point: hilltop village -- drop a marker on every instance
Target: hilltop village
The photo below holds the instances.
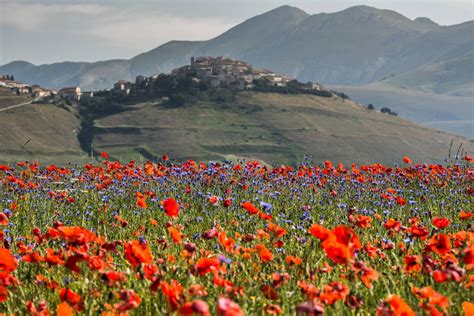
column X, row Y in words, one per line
column 8, row 83
column 205, row 72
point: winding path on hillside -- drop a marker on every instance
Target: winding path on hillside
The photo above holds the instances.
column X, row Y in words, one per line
column 19, row 105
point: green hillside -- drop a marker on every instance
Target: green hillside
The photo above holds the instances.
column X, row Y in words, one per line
column 275, row 128
column 271, row 127
column 41, row 132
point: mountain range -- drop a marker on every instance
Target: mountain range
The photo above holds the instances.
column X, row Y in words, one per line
column 363, row 47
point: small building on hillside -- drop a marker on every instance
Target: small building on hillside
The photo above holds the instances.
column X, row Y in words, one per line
column 37, row 91
column 123, row 86
column 21, row 90
column 70, row 93
column 87, row 94
column 140, row 79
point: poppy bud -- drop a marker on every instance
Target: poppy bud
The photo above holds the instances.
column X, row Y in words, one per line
column 36, row 231
column 209, row 234
column 190, row 247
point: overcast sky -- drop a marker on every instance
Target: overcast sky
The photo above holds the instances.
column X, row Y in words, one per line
column 58, row 30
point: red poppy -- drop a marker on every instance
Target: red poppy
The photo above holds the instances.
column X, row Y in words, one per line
column 441, row 222
column 469, row 257
column 430, row 299
column 209, row 234
column 227, row 307
column 3, row 219
column 137, row 253
column 337, row 252
column 63, row 309
column 319, row 231
column 175, row 234
column 440, row 244
column 3, row 293
column 112, row 278
column 396, row 307
column 141, row 202
column 345, row 235
column 407, row 160
column 206, row 265
column 392, row 224
column 226, row 242
column 171, row 207
column 468, row 308
column 68, row 295
column 412, row 264
column 197, row 307
column 128, row 300
column 339, row 244
column 172, row 291
column 250, row 208
column 8, row 263
column 366, row 274
column 104, row 155
column 465, row 215
column 76, row 234
column 269, row 292
column 291, row 260
column 419, row 231
column 363, row 221
column 401, row 201
column 214, row 200
column 264, row 253
column 97, row 263
column 279, row 231
column 334, row 292
column 273, row 309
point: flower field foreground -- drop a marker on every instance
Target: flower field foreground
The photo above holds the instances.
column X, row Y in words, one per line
column 236, row 239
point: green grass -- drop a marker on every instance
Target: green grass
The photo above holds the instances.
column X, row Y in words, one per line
column 273, row 128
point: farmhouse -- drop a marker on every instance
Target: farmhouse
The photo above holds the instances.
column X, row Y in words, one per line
column 70, row 93
column 123, row 86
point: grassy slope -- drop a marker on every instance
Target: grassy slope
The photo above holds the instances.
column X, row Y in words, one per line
column 40, row 132
column 451, row 77
column 449, row 113
column 274, row 128
column 8, row 99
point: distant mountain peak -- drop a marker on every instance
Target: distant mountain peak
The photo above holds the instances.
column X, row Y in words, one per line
column 425, row 20
column 19, row 63
column 364, row 10
column 287, row 9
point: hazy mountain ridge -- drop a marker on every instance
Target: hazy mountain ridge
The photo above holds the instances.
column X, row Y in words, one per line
column 355, row 46
column 452, row 77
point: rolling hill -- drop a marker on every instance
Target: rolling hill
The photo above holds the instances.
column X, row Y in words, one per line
column 453, row 77
column 39, row 132
column 454, row 114
column 271, row 127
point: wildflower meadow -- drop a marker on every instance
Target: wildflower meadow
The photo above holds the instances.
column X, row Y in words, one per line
column 236, row 238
